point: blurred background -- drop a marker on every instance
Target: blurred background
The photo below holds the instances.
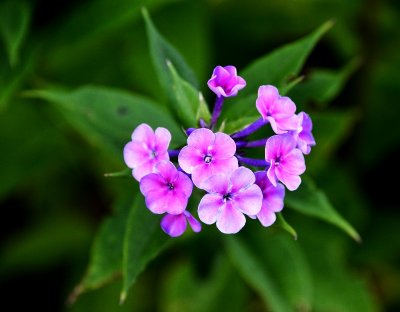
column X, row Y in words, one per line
column 53, row 194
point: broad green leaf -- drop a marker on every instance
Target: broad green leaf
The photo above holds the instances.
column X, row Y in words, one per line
column 183, row 287
column 162, row 52
column 254, row 272
column 280, row 65
column 105, row 261
column 309, row 200
column 330, row 129
column 190, row 104
column 277, row 68
column 14, row 22
column 107, row 116
column 323, row 85
column 143, row 241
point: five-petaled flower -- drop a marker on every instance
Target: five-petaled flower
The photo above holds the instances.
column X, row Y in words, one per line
column 175, row 225
column 146, row 149
column 206, row 154
column 229, row 197
column 167, row 190
column 303, row 135
column 278, row 110
column 225, row 82
column 286, row 161
column 272, row 199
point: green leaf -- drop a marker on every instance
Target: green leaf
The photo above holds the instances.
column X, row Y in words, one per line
column 107, row 117
column 161, row 52
column 106, row 257
column 323, row 85
column 277, row 68
column 254, row 272
column 190, row 104
column 143, row 241
column 282, row 64
column 309, row 200
column 14, row 21
column 280, row 221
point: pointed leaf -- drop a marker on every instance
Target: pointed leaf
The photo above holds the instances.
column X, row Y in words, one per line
column 144, row 240
column 280, row 221
column 190, row 104
column 309, row 200
column 14, row 21
column 107, row 116
column 161, row 51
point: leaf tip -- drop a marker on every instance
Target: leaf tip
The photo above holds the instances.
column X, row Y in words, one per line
column 122, row 297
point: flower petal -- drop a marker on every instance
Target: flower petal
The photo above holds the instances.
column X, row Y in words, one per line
column 266, row 216
column 143, row 170
column 189, row 157
column 135, row 153
column 216, row 184
column 162, row 138
column 267, row 95
column 151, row 182
column 241, row 178
column 248, row 201
column 224, row 146
column 143, row 133
column 194, row 224
column 273, row 197
column 201, row 139
column 209, row 208
column 167, row 170
column 174, row 225
column 291, row 181
column 183, row 184
column 230, row 220
column 293, row 162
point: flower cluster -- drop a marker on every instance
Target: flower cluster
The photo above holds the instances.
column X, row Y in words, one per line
column 215, row 163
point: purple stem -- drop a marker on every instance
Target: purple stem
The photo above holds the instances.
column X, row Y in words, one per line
column 257, row 143
column 217, row 111
column 252, row 161
column 173, row 153
column 250, row 129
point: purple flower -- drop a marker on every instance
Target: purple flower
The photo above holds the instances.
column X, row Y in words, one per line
column 278, row 110
column 228, row 198
column 225, row 81
column 166, row 190
column 286, row 161
column 146, row 149
column 303, row 135
column 272, row 199
column 206, row 154
column 175, row 225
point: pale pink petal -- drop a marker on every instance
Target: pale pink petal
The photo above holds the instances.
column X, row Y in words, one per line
column 218, row 183
column 267, row 95
column 285, row 106
column 273, row 197
column 176, row 202
column 291, row 181
column 151, row 182
column 241, row 178
column 167, row 170
column 143, row 133
column 224, row 146
column 248, row 201
column 293, row 162
column 230, row 220
column 183, row 184
column 266, row 216
column 143, row 170
column 156, row 200
column 174, row 225
column 194, row 224
column 271, row 173
column 190, row 157
column 202, row 173
column 135, row 153
column 201, row 139
column 163, row 138
column 209, row 208
column 285, row 123
column 225, row 166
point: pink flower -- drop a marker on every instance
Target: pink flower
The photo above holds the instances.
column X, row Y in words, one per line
column 278, row 110
column 225, row 82
column 175, row 225
column 303, row 135
column 166, row 190
column 229, row 197
column 272, row 199
column 146, row 149
column 206, row 154
column 286, row 161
